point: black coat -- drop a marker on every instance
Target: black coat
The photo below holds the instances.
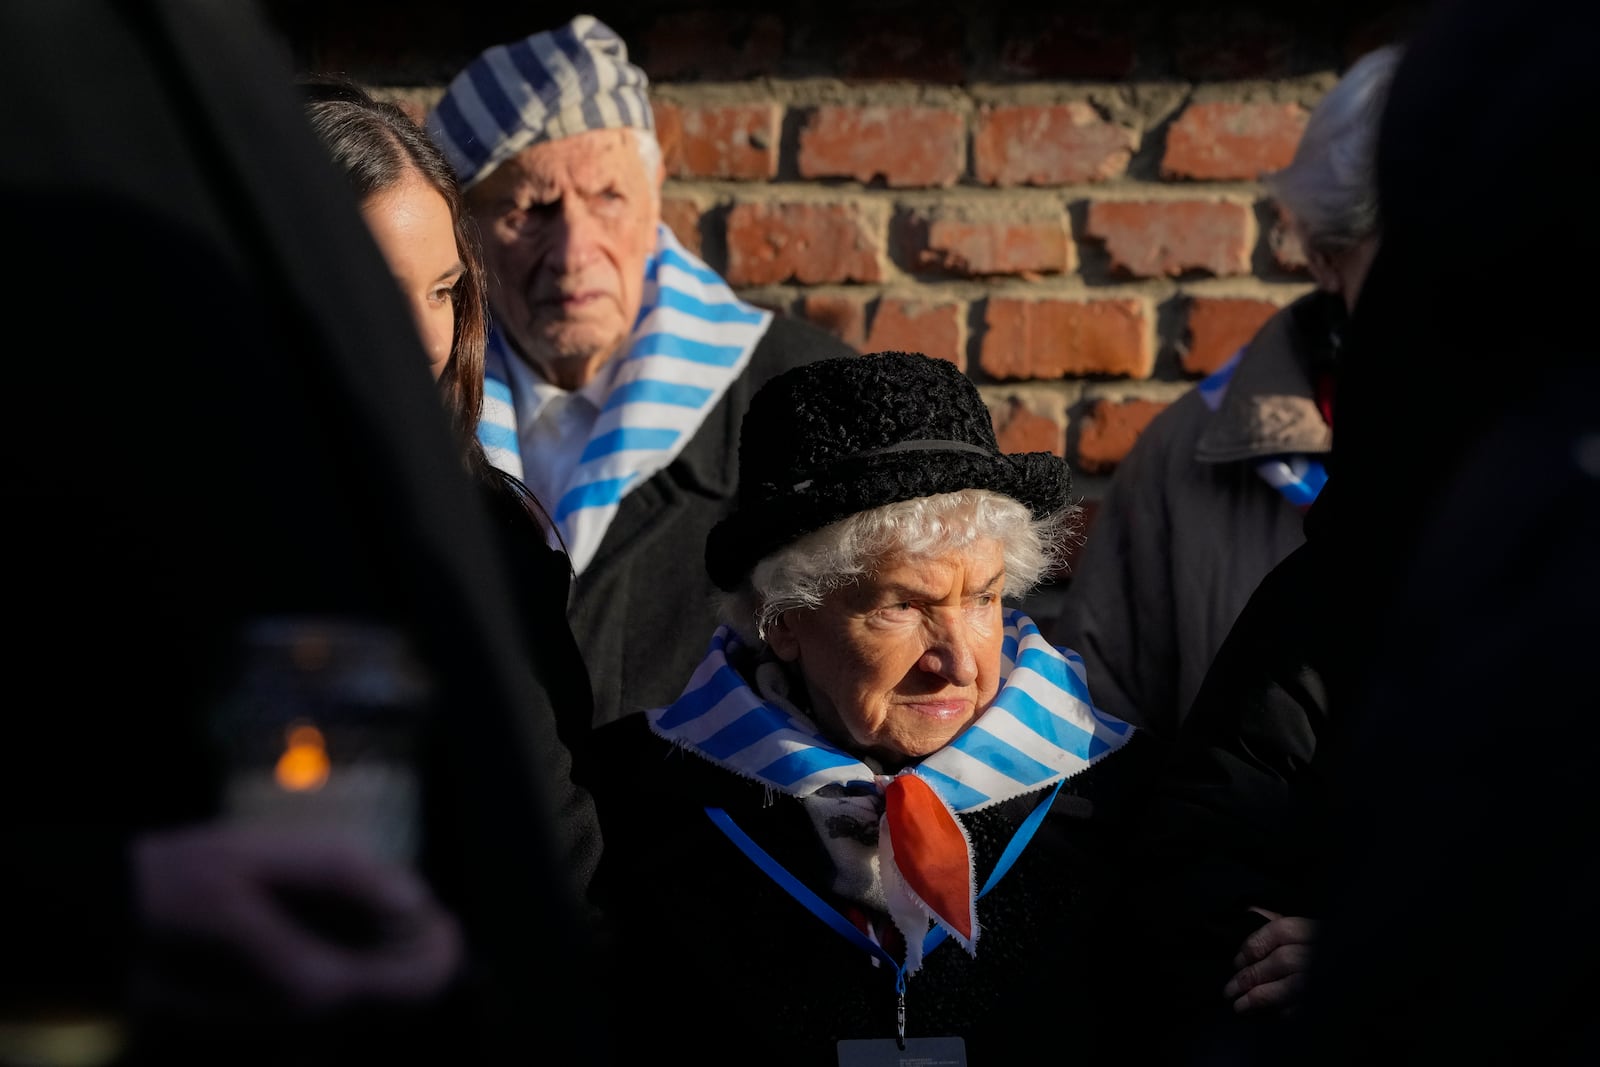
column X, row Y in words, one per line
column 1460, row 919
column 1238, row 814
column 541, row 585
column 726, row 967
column 276, row 447
column 643, row 607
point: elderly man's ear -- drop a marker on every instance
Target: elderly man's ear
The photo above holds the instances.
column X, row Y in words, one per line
column 655, row 184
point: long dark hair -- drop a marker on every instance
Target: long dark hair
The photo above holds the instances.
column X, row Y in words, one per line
column 377, row 145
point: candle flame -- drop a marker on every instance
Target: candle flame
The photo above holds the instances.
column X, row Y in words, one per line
column 303, row 767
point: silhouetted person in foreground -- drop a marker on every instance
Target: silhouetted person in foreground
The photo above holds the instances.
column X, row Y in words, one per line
column 1460, row 920
column 225, row 415
column 1442, row 609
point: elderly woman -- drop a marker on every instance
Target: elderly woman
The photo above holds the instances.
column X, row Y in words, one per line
column 876, row 756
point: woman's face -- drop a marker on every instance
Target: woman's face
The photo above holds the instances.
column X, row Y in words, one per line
column 412, row 224
column 899, row 663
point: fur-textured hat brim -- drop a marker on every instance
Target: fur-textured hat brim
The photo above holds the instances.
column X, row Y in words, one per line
column 840, row 436
column 1038, row 480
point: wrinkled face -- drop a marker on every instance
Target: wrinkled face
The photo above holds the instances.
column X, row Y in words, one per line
column 899, row 663
column 412, row 224
column 1343, row 271
column 567, row 227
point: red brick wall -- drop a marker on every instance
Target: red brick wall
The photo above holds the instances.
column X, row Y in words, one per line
column 1065, row 204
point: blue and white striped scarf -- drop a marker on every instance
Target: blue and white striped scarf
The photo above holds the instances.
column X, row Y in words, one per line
column 693, row 338
column 1299, row 478
column 1040, row 729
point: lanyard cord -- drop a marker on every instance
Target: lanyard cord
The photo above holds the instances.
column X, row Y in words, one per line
column 844, row 927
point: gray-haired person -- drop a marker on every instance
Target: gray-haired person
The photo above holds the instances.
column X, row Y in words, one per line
column 619, row 363
column 1214, row 492
column 878, row 754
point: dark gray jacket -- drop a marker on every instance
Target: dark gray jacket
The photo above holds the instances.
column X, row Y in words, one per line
column 644, row 608
column 1188, row 527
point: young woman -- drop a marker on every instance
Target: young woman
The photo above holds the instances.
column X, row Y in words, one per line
column 408, row 195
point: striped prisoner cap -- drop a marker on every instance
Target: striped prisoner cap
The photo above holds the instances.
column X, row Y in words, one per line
column 547, row 86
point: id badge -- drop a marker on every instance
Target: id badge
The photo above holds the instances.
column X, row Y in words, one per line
column 919, row 1052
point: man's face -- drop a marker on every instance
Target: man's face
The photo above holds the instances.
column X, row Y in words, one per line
column 567, row 226
column 1342, row 271
column 899, row 663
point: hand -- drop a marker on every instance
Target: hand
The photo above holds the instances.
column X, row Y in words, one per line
column 256, row 922
column 1271, row 965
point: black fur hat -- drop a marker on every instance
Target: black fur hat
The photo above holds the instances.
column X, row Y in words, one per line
column 826, row 440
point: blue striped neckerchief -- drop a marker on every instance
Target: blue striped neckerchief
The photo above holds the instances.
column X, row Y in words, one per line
column 1040, row 730
column 1299, row 478
column 692, row 339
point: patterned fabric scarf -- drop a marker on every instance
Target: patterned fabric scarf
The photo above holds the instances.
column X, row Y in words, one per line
column 1298, row 478
column 897, row 841
column 693, row 338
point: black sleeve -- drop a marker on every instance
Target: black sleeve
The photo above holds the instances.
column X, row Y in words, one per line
column 1234, row 818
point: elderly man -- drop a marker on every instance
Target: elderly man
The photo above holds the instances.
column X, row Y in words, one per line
column 620, row 364
column 1214, row 492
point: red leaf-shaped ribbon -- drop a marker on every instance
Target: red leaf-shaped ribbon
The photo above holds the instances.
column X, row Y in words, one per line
column 931, row 852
